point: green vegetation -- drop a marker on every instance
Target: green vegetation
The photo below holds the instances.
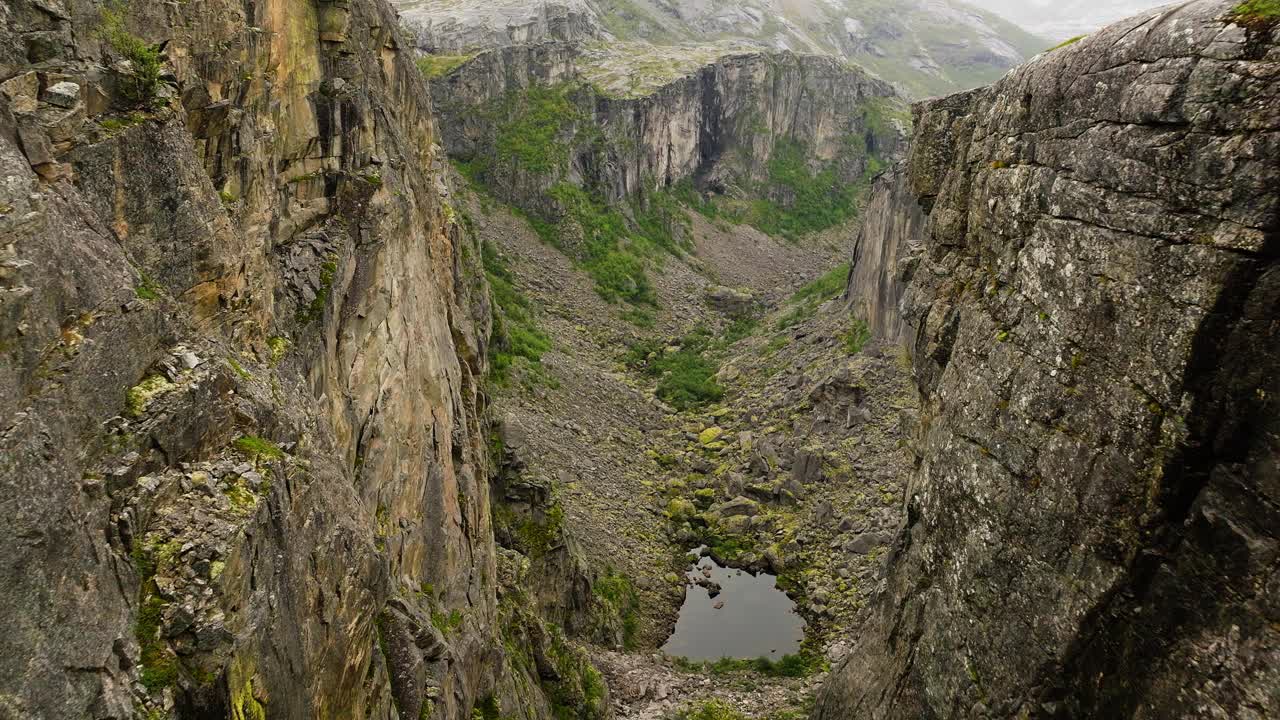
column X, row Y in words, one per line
column 573, row 686
column 142, row 81
column 817, row 201
column 118, row 123
column 446, row 623
column 487, row 708
column 686, row 374
column 434, row 66
column 314, row 310
column 1068, row 41
column 804, row 303
column 855, row 337
column 146, row 288
column 159, row 666
column 243, row 501
column 712, row 710
column 532, row 135
column 613, row 255
column 278, row 346
column 801, row 664
column 256, row 448
column 139, row 395
column 621, row 602
column 529, row 534
column 1257, row 12
column 239, row 369
column 517, row 339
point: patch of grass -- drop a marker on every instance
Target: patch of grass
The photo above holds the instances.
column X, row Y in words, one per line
column 686, row 376
column 434, row 66
column 795, row 201
column 279, row 347
column 254, row 448
column 142, row 81
column 517, row 338
column 239, row 369
column 639, row 317
column 856, row 337
column 314, row 310
column 159, row 666
column 611, row 254
column 446, row 623
column 1068, row 41
column 147, row 288
column 711, row 710
column 804, row 303
column 616, row 593
column 1257, row 12
column 794, row 665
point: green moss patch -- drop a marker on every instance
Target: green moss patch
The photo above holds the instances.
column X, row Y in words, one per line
column 140, row 395
column 434, row 66
column 257, row 448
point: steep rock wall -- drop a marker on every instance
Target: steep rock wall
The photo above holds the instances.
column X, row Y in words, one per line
column 718, row 125
column 1091, row 530
column 885, row 253
column 241, row 345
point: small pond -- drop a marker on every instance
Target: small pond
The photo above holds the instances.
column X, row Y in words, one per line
column 749, row 618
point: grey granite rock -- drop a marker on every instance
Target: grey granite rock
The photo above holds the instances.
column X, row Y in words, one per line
column 1092, row 527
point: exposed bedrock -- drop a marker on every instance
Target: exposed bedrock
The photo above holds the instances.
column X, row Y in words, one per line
column 1091, row 529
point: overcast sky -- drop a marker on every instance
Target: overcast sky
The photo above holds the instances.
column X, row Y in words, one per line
column 1060, row 19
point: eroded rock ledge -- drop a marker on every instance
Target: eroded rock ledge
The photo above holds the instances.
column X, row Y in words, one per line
column 1091, row 530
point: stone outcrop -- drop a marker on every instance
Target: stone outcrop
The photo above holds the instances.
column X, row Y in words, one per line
column 885, row 253
column 1091, row 530
column 242, row 341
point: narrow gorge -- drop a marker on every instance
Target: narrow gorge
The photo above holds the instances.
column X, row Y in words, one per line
column 653, row 359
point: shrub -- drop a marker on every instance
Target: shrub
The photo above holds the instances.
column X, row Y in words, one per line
column 612, row 255
column 139, row 86
column 1257, row 12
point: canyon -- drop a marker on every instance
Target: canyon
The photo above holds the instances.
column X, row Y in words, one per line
column 408, row 360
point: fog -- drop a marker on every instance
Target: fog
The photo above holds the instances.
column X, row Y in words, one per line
column 1058, row 20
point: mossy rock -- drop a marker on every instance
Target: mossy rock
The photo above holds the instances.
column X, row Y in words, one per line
column 710, row 435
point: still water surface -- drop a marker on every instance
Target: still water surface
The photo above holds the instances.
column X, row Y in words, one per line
column 756, row 620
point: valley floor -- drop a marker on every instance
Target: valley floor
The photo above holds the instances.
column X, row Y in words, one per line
column 803, row 476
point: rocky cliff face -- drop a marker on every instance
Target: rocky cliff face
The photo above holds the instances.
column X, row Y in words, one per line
column 241, row 346
column 923, row 46
column 1091, row 529
column 454, row 27
column 717, row 125
column 885, row 254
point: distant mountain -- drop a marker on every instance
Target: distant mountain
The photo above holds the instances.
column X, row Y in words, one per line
column 1059, row 20
column 925, row 47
